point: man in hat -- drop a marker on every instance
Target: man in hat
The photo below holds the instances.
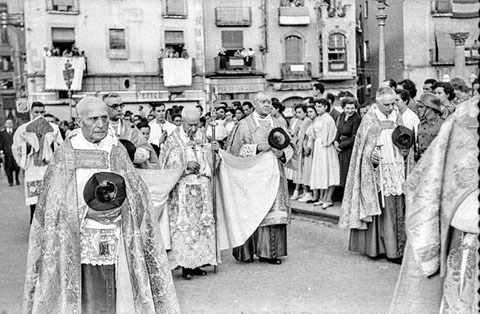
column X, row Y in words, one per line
column 269, row 240
column 32, row 148
column 373, row 204
column 102, row 260
column 429, row 108
column 145, row 156
column 192, row 225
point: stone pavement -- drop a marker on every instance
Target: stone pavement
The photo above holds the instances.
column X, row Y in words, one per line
column 331, row 214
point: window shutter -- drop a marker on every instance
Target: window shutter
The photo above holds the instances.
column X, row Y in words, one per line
column 293, row 49
column 117, row 38
column 174, row 38
column 63, row 2
column 176, row 7
column 63, row 34
column 232, row 39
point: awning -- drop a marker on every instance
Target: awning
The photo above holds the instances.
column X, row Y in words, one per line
column 54, row 67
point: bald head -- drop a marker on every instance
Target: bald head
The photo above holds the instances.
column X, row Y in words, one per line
column 191, row 120
column 92, row 116
column 89, row 104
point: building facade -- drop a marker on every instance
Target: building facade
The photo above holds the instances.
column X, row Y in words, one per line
column 121, row 47
column 12, row 52
column 442, row 40
column 239, row 47
column 309, row 42
column 423, row 39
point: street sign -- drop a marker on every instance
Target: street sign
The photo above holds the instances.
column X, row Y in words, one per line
column 22, row 105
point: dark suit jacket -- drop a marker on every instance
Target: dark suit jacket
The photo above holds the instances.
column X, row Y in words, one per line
column 335, row 114
column 6, row 141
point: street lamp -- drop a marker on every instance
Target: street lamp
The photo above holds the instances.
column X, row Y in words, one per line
column 68, row 74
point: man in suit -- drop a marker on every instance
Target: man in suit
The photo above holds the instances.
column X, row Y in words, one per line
column 6, row 140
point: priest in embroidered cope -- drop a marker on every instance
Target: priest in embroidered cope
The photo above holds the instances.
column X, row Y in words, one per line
column 192, row 225
column 85, row 261
column 440, row 270
column 32, row 148
column 250, row 137
column 373, row 205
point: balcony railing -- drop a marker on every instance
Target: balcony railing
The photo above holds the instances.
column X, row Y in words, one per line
column 296, row 71
column 234, row 16
column 471, row 57
column 293, row 16
column 234, row 65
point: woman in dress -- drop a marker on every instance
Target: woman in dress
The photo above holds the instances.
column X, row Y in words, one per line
column 325, row 174
column 347, row 126
column 277, row 113
column 300, row 178
column 239, row 114
column 229, row 121
column 308, row 152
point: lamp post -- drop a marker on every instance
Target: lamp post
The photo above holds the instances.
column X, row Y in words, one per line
column 381, row 17
column 68, row 74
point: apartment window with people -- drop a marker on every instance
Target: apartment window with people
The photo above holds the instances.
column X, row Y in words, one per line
column 63, row 39
column 337, row 52
column 63, row 5
column 175, row 42
column 232, row 41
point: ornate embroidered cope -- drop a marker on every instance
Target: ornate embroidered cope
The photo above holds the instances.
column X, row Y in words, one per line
column 53, row 276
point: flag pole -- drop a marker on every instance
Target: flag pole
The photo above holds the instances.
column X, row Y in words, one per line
column 213, row 114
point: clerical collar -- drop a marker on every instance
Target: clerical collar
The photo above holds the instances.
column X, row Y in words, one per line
column 257, row 118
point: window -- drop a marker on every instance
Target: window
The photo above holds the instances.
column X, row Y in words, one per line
column 175, row 7
column 320, row 51
column 293, row 49
column 232, row 41
column 5, row 36
column 62, row 5
column 337, row 56
column 292, row 3
column 63, row 38
column 117, row 38
column 365, row 10
column 442, row 6
column 174, row 39
column 6, row 64
column 366, row 51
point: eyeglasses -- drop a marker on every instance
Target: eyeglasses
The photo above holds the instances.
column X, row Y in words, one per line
column 116, row 106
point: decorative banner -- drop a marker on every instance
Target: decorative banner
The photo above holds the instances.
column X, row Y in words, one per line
column 22, row 105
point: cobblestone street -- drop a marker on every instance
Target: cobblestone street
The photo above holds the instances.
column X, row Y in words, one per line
column 319, row 275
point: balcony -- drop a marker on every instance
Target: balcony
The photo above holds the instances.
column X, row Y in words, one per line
column 293, row 16
column 471, row 55
column 234, row 65
column 296, row 71
column 231, row 17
